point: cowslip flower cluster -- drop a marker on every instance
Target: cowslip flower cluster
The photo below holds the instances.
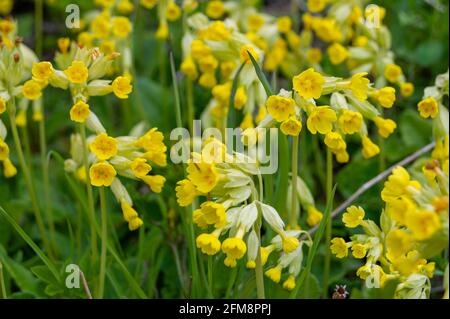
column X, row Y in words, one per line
column 233, row 209
column 168, row 11
column 413, row 228
column 349, row 106
column 432, row 106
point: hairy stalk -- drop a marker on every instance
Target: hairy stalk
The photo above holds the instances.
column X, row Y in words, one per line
column 90, row 194
column 293, row 217
column 27, row 175
column 329, row 229
column 2, row 283
column 104, row 235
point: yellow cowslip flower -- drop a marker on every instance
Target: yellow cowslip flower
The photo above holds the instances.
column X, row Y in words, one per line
column 245, row 50
column 208, row 63
column 327, row 29
column 6, row 6
column 360, row 41
column 108, row 47
column 422, row 223
column 2, row 106
column 339, row 247
column 406, row 89
column 203, row 176
column 350, row 122
column 222, row 92
column 284, row 24
column 140, row 167
column 104, row 147
column 386, row 96
column 208, row 80
column 370, row 149
column 398, row 243
column 359, row 85
column 262, row 112
column 289, row 284
column 84, row 39
column 397, row 184
column 385, row 126
column 353, row 217
column 290, row 244
column 247, row 122
column 148, row 4
column 6, row 26
column 411, row 263
column 155, row 182
column 255, row 21
column 198, row 218
column 4, row 150
column 392, row 72
column 274, row 273
column 292, row 126
column 79, row 112
column 21, row 118
column 213, row 214
column 199, row 49
column 369, row 269
column 129, row 213
column 316, row 5
column 162, row 33
column 190, row 5
column 135, row 223
column 101, row 26
column 308, row 84
column 186, row 192
column 337, row 53
column 42, row 71
column 189, row 68
column 32, row 90
column 314, row 55
column 428, row 107
column 280, row 108
column 314, row 216
column 240, row 98
column 9, row 169
column 102, row 174
column 77, row 72
column 335, row 142
column 215, row 9
column 342, row 156
column 227, row 68
column 121, row 27
column 125, row 7
column 441, row 203
column 321, row 120
column 208, row 243
column 359, row 251
column 173, row 11
column 216, row 31
column 122, row 87
column 234, row 248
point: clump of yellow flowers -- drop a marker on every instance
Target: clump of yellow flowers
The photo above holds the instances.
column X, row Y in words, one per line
column 413, row 228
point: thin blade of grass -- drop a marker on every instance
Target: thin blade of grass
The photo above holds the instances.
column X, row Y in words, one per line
column 262, row 78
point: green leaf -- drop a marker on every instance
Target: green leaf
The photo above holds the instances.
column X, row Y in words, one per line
column 262, row 78
column 53, row 290
column 43, row 273
column 231, row 121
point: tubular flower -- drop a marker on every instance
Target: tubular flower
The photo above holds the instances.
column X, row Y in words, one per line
column 104, row 147
column 208, row 243
column 337, row 53
column 102, row 174
column 350, row 122
column 79, row 112
column 428, row 107
column 309, row 84
column 386, row 96
column 291, row 126
column 359, row 86
column 321, row 120
column 122, row 87
column 370, row 149
column 77, row 72
column 385, row 126
column 392, row 72
column 203, row 176
column 353, row 217
column 32, row 90
column 280, row 108
column 339, row 247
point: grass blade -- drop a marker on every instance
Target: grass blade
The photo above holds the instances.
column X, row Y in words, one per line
column 231, row 121
column 261, row 75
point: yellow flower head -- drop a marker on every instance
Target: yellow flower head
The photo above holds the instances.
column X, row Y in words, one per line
column 397, row 184
column 244, row 53
column 339, row 247
column 280, row 108
column 292, row 126
column 385, row 126
column 370, row 149
column 213, row 214
column 4, row 150
column 360, row 41
column 428, row 107
column 289, row 284
column 316, row 5
column 173, row 11
column 2, row 106
column 121, row 27
column 342, row 156
column 135, row 223
column 240, row 98
column 122, row 87
column 411, row 263
column 234, row 248
column 215, row 9
column 290, row 244
column 208, row 80
column 337, row 53
column 359, row 251
column 359, row 86
column 386, row 96
column 79, row 112
column 314, row 55
column 32, row 90
column 350, row 121
column 208, row 243
column 162, row 33
column 128, row 212
column 308, row 84
column 284, row 24
column 398, row 243
column 189, row 68
column 274, row 274
column 314, row 216
column 77, row 72
column 321, row 120
column 149, row 4
column 353, row 217
column 185, row 192
column 140, row 167
column 42, row 71
column 423, row 223
column 203, row 176
column 392, row 72
column 104, row 147
column 155, row 182
column 255, row 22
column 216, row 31
column 102, row 174
column 406, row 89
column 9, row 169
column 335, row 142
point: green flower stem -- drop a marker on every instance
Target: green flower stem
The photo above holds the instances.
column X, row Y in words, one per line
column 104, row 235
column 260, row 292
column 90, row 194
column 190, row 104
column 26, row 172
column 2, row 283
column 26, row 147
column 293, row 217
column 38, row 29
column 328, row 230
column 210, row 276
column 231, row 281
